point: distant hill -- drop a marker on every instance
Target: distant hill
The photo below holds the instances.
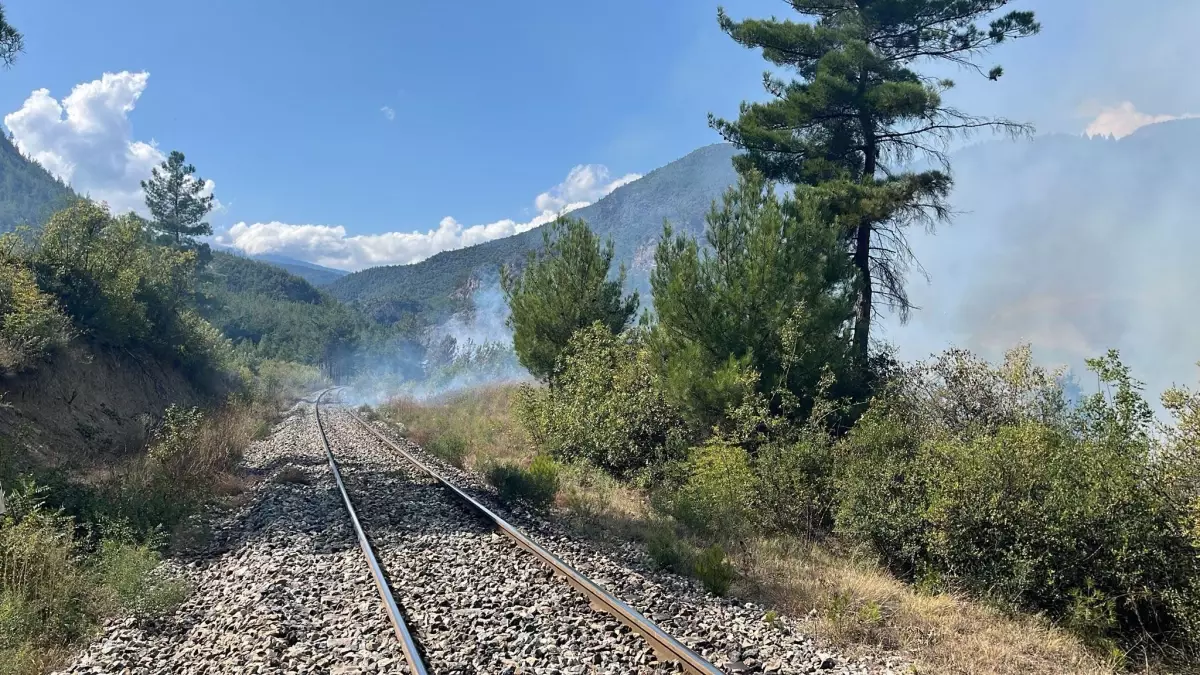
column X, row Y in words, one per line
column 28, row 193
column 274, row 313
column 632, row 215
column 315, row 274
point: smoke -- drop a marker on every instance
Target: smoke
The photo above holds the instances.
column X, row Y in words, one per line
column 1074, row 245
column 472, row 348
column 483, row 322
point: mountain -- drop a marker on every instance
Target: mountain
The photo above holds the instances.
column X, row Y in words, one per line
column 28, row 193
column 632, row 215
column 313, row 273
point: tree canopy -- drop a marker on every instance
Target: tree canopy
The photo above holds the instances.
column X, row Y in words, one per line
column 766, row 296
column 177, row 200
column 565, row 288
column 11, row 41
column 858, row 111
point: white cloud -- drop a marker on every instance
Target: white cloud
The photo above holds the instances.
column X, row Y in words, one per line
column 1124, row 119
column 329, row 244
column 388, row 112
column 87, row 139
column 584, row 184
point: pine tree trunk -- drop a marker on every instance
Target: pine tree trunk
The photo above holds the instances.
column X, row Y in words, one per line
column 862, row 310
column 862, row 256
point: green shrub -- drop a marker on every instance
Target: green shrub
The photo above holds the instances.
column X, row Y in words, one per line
column 1070, row 512
column 795, row 484
column 120, row 288
column 31, row 324
column 43, row 590
column 713, row 570
column 668, row 551
column 605, row 408
column 718, row 497
column 449, row 448
column 127, row 572
column 535, row 486
column 275, row 381
column 56, row 589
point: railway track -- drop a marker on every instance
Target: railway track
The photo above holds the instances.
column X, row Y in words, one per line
column 419, row 594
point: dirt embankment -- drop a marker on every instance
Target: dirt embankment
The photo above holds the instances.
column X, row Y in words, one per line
column 86, row 404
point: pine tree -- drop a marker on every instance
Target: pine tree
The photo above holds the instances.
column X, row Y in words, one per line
column 11, row 42
column 767, row 296
column 858, row 112
column 174, row 195
column 564, row 289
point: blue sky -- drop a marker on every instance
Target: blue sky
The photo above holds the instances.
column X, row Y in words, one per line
column 364, row 133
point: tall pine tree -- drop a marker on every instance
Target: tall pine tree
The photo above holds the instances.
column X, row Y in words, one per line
column 176, row 199
column 858, row 112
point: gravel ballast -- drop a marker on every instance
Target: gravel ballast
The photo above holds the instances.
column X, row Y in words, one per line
column 282, row 586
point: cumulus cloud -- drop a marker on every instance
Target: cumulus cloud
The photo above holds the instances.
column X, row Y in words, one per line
column 330, row 245
column 584, row 184
column 388, row 112
column 1124, row 119
column 87, row 138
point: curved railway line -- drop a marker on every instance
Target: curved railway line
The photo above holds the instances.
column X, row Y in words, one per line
column 669, row 652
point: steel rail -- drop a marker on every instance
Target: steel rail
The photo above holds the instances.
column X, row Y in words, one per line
column 415, row 665
column 665, row 647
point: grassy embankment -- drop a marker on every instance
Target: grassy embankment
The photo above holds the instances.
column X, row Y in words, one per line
column 75, row 551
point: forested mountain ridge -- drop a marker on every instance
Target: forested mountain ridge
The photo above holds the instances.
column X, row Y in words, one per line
column 632, row 216
column 28, row 192
column 275, row 314
column 317, row 275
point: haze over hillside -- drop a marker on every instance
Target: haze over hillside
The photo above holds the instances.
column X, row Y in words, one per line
column 632, row 216
column 1076, row 244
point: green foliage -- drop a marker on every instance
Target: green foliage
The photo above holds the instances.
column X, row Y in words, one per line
column 177, row 201
column 535, row 486
column 606, row 408
column 272, row 380
column 239, row 275
column 11, row 41
column 121, row 289
column 668, row 551
column 31, row 323
column 28, row 193
column 981, row 480
column 767, row 298
column 176, row 434
column 126, row 571
column 713, row 570
column 718, row 496
column 55, row 589
column 564, row 289
column 270, row 314
column 449, row 448
column 857, row 112
column 795, row 484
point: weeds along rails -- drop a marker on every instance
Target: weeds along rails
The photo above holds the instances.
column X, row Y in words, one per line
column 467, row 591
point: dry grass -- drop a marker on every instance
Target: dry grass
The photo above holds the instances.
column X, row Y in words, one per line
column 855, row 605
column 482, row 418
column 852, row 603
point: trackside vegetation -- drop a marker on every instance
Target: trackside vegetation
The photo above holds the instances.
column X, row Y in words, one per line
column 749, row 414
column 75, row 552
